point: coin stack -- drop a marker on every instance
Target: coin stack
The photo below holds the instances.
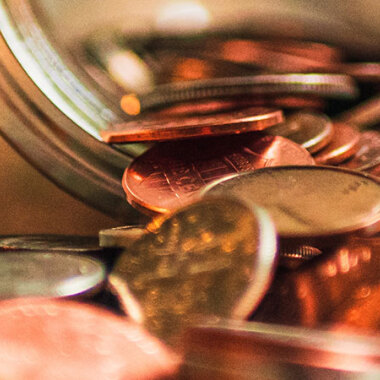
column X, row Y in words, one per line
column 259, row 182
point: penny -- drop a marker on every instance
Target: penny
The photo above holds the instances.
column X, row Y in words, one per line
column 214, row 258
column 375, row 171
column 169, row 128
column 310, row 130
column 294, row 256
column 48, row 274
column 362, row 71
column 65, row 340
column 68, row 243
column 311, row 205
column 322, row 85
column 368, row 154
column 120, row 236
column 170, row 174
column 343, row 145
column 252, row 350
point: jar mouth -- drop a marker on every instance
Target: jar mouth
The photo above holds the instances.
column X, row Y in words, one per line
column 55, row 111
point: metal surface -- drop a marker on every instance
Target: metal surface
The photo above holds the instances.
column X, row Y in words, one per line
column 214, row 258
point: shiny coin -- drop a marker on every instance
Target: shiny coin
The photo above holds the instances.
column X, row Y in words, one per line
column 343, row 145
column 68, row 243
column 56, row 340
column 368, row 154
column 169, row 128
column 170, row 175
column 214, row 258
column 310, row 203
column 324, row 85
column 310, row 130
column 120, row 236
column 48, row 274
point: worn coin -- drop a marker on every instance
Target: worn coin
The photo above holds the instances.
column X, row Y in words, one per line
column 169, row 175
column 309, row 204
column 214, row 258
column 65, row 340
column 368, row 154
column 48, row 274
column 47, row 242
column 311, row 130
column 343, row 145
column 169, row 128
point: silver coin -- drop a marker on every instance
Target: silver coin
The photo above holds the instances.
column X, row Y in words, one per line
column 48, row 274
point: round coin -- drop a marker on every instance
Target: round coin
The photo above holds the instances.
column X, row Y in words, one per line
column 169, row 128
column 323, row 85
column 65, row 340
column 368, row 154
column 48, row 274
column 170, row 174
column 343, row 145
column 309, row 204
column 68, row 243
column 214, row 258
column 310, row 130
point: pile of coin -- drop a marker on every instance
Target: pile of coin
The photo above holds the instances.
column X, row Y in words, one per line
column 263, row 196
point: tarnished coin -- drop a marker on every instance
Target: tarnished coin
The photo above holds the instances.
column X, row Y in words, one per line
column 48, row 274
column 343, row 145
column 214, row 258
column 65, row 340
column 368, row 154
column 169, row 128
column 68, row 243
column 309, row 204
column 323, row 85
column 170, row 175
column 120, row 237
column 310, row 130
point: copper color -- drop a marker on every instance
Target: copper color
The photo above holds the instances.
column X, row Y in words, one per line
column 375, row 171
column 161, row 128
column 214, row 258
column 52, row 340
column 339, row 289
column 209, row 106
column 368, row 154
column 344, row 144
column 170, row 174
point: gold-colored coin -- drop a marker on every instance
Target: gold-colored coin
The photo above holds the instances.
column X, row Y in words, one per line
column 214, row 258
column 123, row 236
column 308, row 203
column 311, row 130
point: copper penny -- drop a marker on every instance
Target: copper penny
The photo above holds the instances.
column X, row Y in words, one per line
column 310, row 205
column 311, row 130
column 173, row 128
column 170, row 174
column 63, row 340
column 344, row 144
column 214, row 258
column 368, row 154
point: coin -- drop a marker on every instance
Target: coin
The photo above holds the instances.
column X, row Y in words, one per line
column 368, row 154
column 375, row 171
column 343, row 145
column 323, row 85
column 123, row 236
column 170, row 174
column 309, row 204
column 213, row 258
column 251, row 350
column 310, row 130
column 48, row 274
column 65, row 340
column 68, row 243
column 362, row 71
column 169, row 128
column 295, row 256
